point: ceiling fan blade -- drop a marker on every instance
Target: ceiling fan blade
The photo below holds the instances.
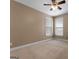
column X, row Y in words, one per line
column 61, row 2
column 53, row 1
column 51, row 9
column 47, row 4
column 59, row 8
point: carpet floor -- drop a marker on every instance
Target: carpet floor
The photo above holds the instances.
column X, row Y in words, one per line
column 52, row 49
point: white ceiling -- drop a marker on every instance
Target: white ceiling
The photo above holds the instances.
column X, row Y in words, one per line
column 38, row 5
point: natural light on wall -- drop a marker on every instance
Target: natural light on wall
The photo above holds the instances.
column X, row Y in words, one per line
column 59, row 26
column 49, row 26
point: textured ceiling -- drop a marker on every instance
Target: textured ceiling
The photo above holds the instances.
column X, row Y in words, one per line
column 38, row 5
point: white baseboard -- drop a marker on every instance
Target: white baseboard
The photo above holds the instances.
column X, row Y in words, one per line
column 26, row 45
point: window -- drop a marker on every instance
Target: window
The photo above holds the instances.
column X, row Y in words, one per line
column 59, row 26
column 49, row 26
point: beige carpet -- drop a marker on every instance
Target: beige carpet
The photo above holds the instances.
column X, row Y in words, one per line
column 52, row 49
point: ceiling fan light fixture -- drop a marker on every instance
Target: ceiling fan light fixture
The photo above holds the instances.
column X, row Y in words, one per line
column 54, row 7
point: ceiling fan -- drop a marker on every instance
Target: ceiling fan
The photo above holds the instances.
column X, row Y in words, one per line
column 55, row 5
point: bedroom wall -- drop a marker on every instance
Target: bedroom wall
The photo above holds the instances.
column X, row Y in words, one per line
column 27, row 24
column 65, row 25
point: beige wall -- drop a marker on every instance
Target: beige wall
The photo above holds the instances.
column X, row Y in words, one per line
column 65, row 25
column 27, row 24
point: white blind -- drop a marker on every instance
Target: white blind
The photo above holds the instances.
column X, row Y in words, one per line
column 49, row 26
column 59, row 26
